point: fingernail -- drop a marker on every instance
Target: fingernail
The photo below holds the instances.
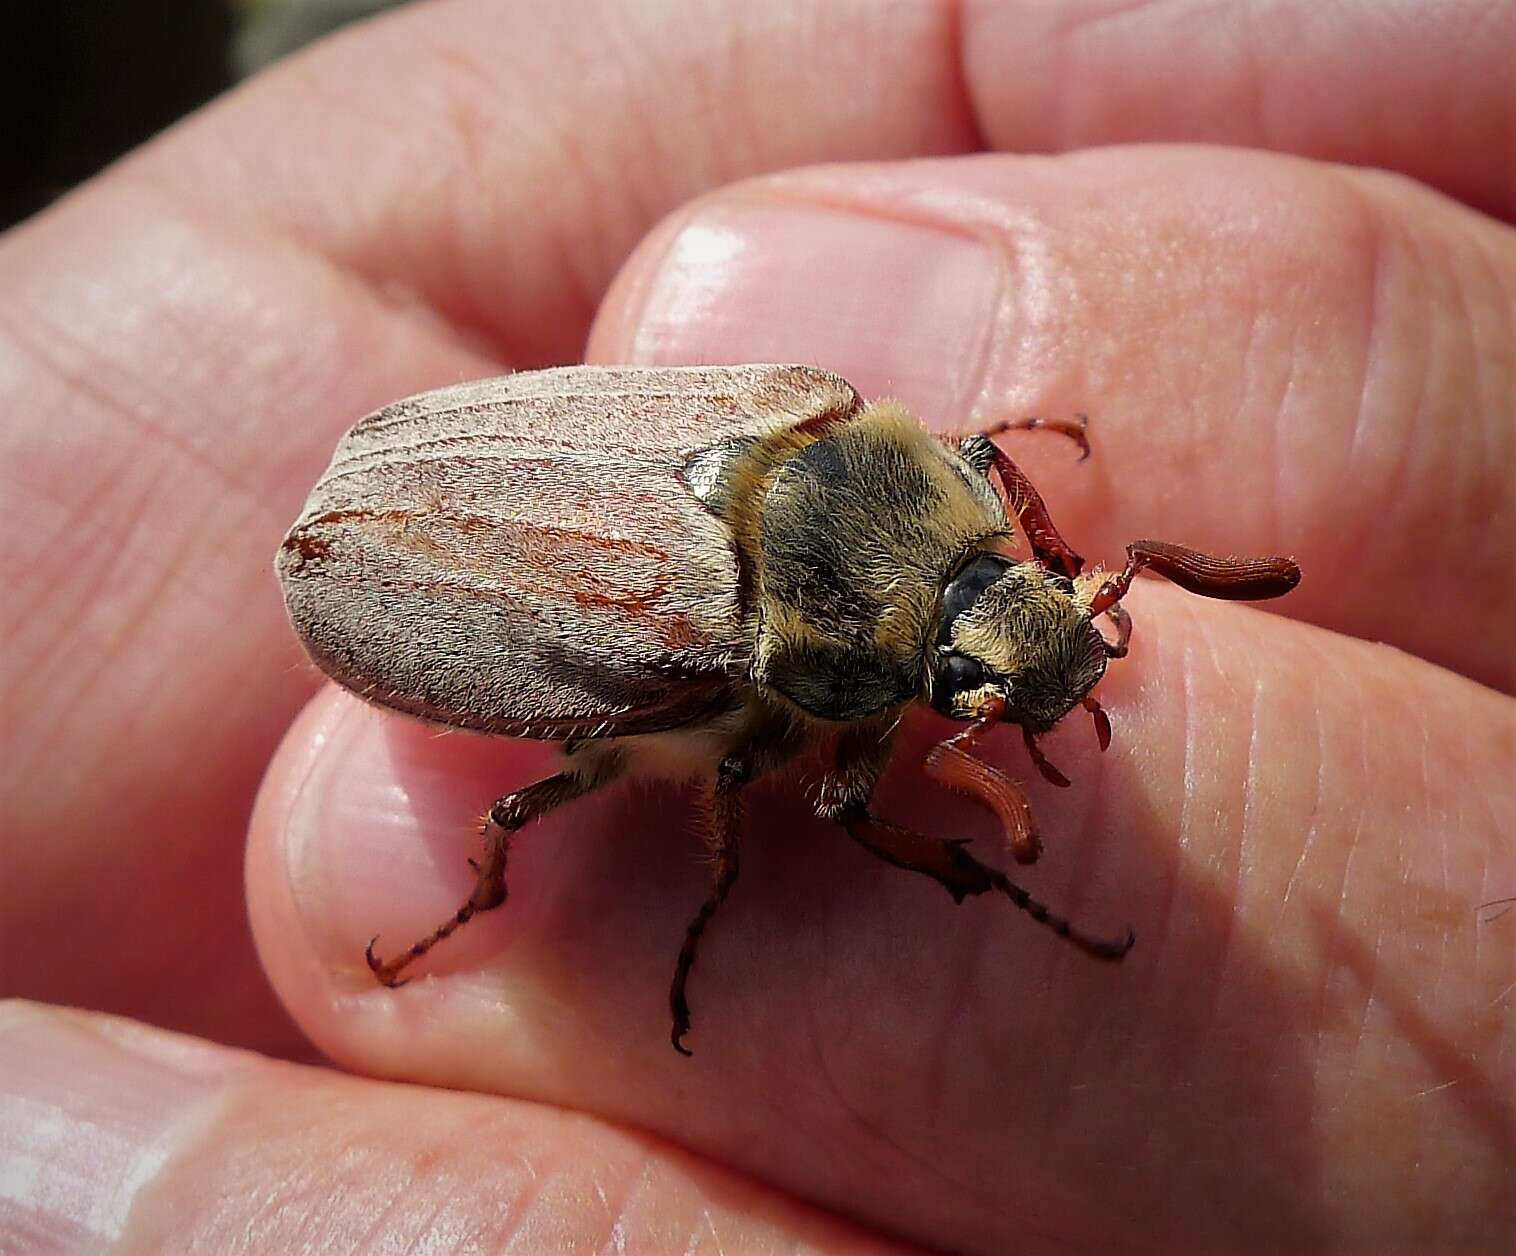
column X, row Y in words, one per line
column 900, row 308
column 380, row 823
column 87, row 1119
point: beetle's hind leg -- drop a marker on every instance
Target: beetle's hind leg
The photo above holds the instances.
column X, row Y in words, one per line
column 861, row 754
column 510, row 813
column 722, row 838
column 958, row 872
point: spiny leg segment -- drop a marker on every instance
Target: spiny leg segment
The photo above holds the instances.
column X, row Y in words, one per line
column 1025, row 502
column 844, row 798
column 510, row 813
column 722, row 837
column 953, row 764
column 957, row 871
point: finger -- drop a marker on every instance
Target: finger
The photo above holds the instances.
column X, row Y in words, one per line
column 526, row 148
column 470, row 106
column 152, row 464
column 1276, row 356
column 178, row 352
column 1422, row 89
column 1299, row 826
column 120, row 1137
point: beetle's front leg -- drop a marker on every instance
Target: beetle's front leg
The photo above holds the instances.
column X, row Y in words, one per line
column 952, row 763
column 864, row 750
column 722, row 837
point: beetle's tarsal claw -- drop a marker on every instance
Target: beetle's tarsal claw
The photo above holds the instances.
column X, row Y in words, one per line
column 1102, row 723
column 385, row 973
column 1107, row 948
column 1051, row 774
column 1118, row 649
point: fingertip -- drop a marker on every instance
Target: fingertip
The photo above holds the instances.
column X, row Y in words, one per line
column 363, row 829
column 902, row 306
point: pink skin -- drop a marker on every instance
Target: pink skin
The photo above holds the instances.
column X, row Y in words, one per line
column 1309, row 1046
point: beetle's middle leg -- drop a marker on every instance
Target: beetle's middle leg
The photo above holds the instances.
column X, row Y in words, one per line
column 721, row 835
column 510, row 813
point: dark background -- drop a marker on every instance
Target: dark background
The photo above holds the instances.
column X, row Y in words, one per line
column 86, row 80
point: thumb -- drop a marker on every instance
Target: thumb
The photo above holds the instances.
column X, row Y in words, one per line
column 117, row 1136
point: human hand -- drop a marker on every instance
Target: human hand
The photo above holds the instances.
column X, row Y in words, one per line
column 1309, row 1046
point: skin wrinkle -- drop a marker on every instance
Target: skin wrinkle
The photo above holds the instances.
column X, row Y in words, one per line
column 1157, row 935
column 1069, row 29
column 524, row 1205
column 626, row 1184
column 956, row 39
column 471, row 108
column 1248, row 825
column 639, row 1188
column 1375, row 360
column 1323, row 991
column 448, row 276
column 1208, row 989
column 1087, row 1033
column 873, row 1129
column 1354, row 1053
column 92, row 673
column 447, row 272
column 1398, row 486
column 1253, row 356
column 449, row 289
column 81, row 380
column 374, row 295
column 599, row 204
column 80, row 673
column 390, row 1218
column 1318, row 792
column 1488, row 449
column 1355, row 843
column 1481, row 798
column 1428, row 788
column 1436, row 349
column 90, row 569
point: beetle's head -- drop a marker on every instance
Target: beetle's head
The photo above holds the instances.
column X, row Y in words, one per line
column 1017, row 632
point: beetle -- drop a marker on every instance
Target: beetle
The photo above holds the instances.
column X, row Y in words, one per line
column 700, row 573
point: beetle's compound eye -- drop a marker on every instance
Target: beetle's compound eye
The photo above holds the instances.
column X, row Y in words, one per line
column 956, row 674
column 960, row 672
column 966, row 588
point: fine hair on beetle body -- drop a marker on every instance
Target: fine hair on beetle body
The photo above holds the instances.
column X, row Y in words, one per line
column 699, row 573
